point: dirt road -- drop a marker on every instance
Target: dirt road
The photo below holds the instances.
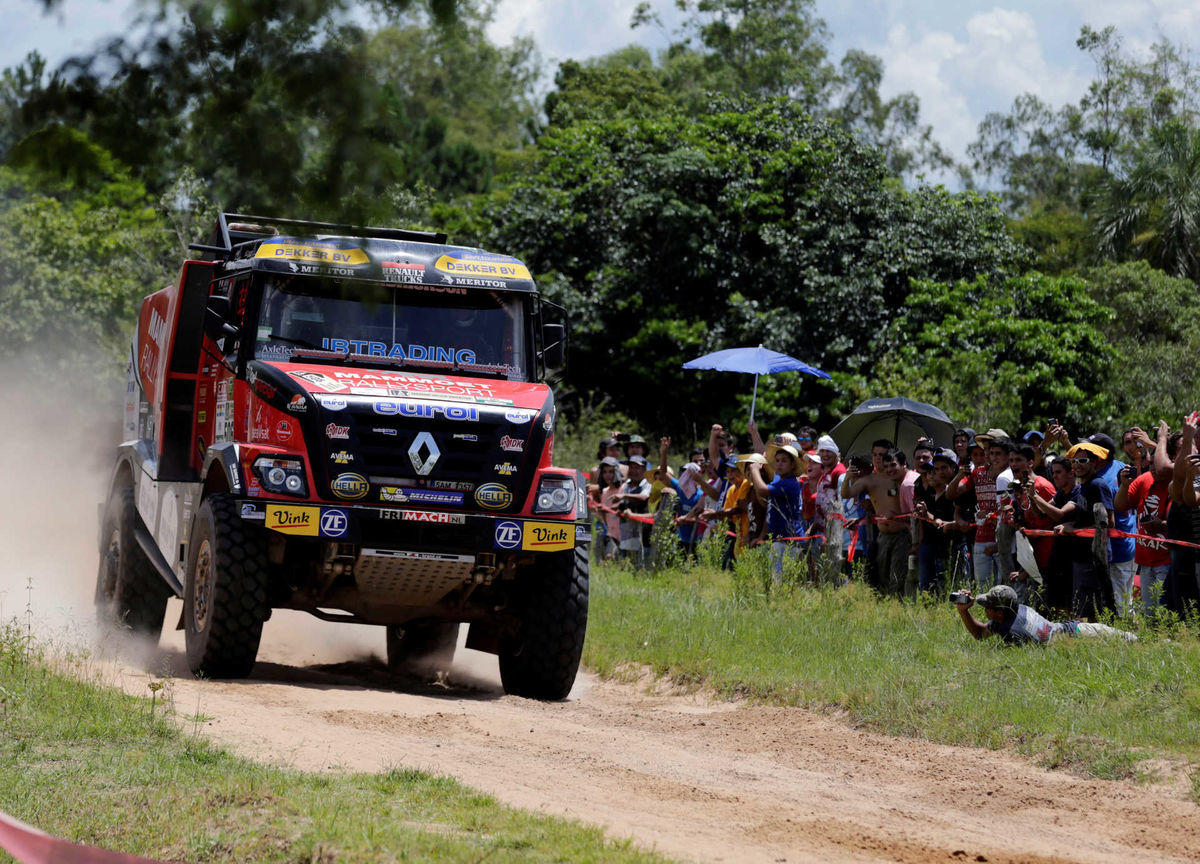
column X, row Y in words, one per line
column 694, row 778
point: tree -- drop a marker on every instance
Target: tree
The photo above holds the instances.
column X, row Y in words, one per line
column 1153, row 210
column 669, row 236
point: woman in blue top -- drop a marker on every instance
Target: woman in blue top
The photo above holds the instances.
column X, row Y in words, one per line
column 782, row 495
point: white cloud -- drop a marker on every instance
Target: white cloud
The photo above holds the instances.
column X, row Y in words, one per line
column 569, row 28
column 958, row 80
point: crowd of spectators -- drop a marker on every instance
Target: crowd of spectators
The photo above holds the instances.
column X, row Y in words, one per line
column 1076, row 526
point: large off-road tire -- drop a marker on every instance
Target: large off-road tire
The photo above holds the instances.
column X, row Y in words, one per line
column 422, row 644
column 225, row 598
column 551, row 605
column 129, row 591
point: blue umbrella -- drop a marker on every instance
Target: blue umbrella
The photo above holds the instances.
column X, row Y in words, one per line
column 758, row 361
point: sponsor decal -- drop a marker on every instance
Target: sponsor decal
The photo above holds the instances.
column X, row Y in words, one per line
column 474, row 283
column 386, row 407
column 251, row 511
column 333, row 430
column 334, row 522
column 341, row 457
column 464, row 436
column 313, row 251
column 400, row 495
column 298, row 405
column 397, row 351
column 201, row 416
column 350, row 486
column 423, row 453
column 460, row 485
column 505, row 468
column 464, row 262
column 432, row 516
column 508, row 535
column 518, row 415
column 402, row 271
column 491, row 400
column 421, row 556
column 259, row 430
column 368, row 391
column 548, row 537
column 582, row 533
column 548, row 422
column 513, row 445
column 253, row 487
column 289, row 519
column 384, row 430
column 493, row 496
column 283, row 430
column 157, row 329
column 319, row 379
column 331, row 403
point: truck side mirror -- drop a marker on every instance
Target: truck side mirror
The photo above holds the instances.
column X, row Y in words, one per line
column 216, row 319
column 554, row 345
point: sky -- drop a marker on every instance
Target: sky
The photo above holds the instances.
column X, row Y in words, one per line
column 962, row 59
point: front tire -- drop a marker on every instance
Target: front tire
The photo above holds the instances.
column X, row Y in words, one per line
column 129, row 590
column 551, row 603
column 225, row 599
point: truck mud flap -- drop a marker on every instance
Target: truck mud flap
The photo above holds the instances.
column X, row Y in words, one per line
column 160, row 564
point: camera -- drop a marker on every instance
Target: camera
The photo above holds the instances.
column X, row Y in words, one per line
column 623, row 437
column 960, row 598
column 862, row 464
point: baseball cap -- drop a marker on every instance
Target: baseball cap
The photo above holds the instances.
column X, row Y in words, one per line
column 826, row 442
column 999, row 597
column 1102, row 440
column 811, row 456
column 1028, row 437
column 638, row 460
column 608, row 460
column 990, row 435
column 1088, row 447
column 605, row 443
column 946, row 455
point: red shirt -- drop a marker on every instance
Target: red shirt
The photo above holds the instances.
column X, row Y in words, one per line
column 1031, row 515
column 986, row 506
column 1150, row 500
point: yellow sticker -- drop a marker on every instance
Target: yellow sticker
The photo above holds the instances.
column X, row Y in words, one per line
column 329, row 254
column 548, row 536
column 293, row 520
column 483, row 268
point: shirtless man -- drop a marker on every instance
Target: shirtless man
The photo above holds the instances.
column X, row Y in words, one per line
column 894, row 541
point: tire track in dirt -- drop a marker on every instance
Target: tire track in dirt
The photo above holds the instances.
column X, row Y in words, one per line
column 695, row 778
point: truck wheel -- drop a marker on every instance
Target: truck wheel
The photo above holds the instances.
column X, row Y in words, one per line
column 429, row 643
column 225, row 599
column 129, row 591
column 551, row 605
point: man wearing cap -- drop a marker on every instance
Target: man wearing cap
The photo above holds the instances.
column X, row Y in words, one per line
column 736, row 508
column 782, row 496
column 1092, row 589
column 1017, row 624
column 633, row 498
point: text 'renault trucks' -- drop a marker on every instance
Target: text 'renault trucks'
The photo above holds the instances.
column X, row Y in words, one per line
column 350, row 422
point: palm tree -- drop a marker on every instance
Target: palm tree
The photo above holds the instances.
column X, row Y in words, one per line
column 1153, row 211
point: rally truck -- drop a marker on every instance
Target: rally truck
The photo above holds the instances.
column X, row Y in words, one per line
column 356, row 423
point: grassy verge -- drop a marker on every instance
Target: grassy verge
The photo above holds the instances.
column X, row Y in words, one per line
column 1092, row 707
column 94, row 765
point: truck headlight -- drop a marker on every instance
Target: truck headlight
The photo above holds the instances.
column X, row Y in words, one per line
column 555, row 495
column 282, row 476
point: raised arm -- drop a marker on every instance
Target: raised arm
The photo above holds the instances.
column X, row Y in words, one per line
column 1181, row 473
column 760, row 485
column 959, row 485
column 664, row 450
column 714, row 452
column 756, row 439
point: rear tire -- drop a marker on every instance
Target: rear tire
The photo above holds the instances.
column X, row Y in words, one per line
column 129, row 590
column 422, row 643
column 225, row 599
column 551, row 604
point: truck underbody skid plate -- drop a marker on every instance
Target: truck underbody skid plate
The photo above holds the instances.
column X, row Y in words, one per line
column 401, row 578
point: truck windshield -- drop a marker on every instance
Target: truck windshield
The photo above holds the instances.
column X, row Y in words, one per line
column 362, row 323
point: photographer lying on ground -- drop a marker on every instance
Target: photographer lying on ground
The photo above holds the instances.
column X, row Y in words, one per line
column 1017, row 624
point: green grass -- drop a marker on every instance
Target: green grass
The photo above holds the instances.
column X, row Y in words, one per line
column 97, row 766
column 1092, row 707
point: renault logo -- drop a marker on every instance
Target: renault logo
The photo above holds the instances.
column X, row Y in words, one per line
column 423, row 453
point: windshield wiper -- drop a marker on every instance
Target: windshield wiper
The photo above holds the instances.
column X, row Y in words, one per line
column 303, row 343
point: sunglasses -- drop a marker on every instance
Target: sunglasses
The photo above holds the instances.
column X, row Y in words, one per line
column 1082, row 460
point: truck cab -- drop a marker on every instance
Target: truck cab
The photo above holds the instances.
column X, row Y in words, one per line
column 356, row 423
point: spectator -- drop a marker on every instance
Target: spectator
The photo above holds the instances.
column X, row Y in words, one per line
column 814, row 519
column 782, row 497
column 1138, row 447
column 938, row 520
column 894, row 538
column 829, row 498
column 636, row 445
column 1121, row 549
column 633, row 499
column 607, row 488
column 1017, row 624
column 690, row 489
column 1092, row 587
column 806, row 439
column 736, row 508
column 1057, row 578
column 610, row 448
column 982, row 482
column 1182, row 595
column 963, row 441
column 1148, row 496
column 1023, row 513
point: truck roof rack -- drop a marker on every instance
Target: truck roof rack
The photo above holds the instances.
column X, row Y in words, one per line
column 234, row 230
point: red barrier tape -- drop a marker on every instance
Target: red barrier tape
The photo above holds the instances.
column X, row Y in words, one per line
column 1113, row 532
column 31, row 846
